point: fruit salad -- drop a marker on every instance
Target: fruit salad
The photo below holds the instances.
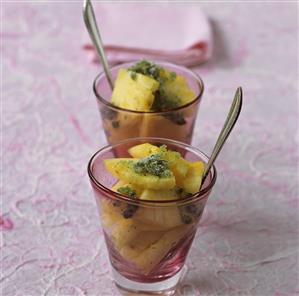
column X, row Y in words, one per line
column 157, row 91
column 147, row 238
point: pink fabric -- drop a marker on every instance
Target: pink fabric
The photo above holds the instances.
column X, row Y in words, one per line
column 182, row 33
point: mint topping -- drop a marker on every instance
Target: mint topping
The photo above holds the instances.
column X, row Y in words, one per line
column 164, row 102
column 127, row 191
column 146, row 68
column 152, row 165
column 173, row 75
column 133, row 75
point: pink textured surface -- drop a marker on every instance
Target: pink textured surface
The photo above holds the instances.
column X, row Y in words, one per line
column 248, row 240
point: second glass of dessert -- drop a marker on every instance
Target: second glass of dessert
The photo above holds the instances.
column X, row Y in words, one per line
column 149, row 100
column 150, row 197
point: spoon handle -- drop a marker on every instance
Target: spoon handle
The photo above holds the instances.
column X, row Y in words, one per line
column 230, row 121
column 91, row 25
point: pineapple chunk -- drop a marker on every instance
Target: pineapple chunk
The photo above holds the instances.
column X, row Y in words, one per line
column 121, row 183
column 150, row 257
column 149, row 194
column 165, row 218
column 179, row 88
column 141, row 242
column 143, row 150
column 192, row 181
column 109, row 214
column 118, row 185
column 178, row 165
column 134, row 94
column 112, row 210
column 124, row 230
column 122, row 168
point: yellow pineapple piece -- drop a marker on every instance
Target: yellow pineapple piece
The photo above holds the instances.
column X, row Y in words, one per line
column 124, row 230
column 178, row 165
column 180, row 171
column 151, row 256
column 109, row 213
column 128, row 252
column 141, row 242
column 121, row 183
column 150, row 194
column 165, row 218
column 122, row 168
column 192, row 181
column 178, row 87
column 134, row 94
column 112, row 210
column 147, row 227
column 143, row 150
column 114, row 222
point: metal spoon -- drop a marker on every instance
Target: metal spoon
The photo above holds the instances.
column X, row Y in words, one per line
column 92, row 27
column 230, row 121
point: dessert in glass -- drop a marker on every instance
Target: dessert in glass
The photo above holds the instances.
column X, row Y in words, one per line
column 149, row 100
column 150, row 200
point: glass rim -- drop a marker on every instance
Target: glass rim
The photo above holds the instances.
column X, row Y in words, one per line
column 116, row 108
column 186, row 200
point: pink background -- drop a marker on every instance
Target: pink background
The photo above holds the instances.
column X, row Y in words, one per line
column 248, row 240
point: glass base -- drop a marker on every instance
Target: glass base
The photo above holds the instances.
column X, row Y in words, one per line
column 166, row 287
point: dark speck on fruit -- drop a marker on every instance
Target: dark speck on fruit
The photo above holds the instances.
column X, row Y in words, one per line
column 192, row 209
column 115, row 124
column 129, row 211
column 116, row 203
column 186, row 219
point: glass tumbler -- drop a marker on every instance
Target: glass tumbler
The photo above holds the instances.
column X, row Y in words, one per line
column 148, row 247
column 120, row 124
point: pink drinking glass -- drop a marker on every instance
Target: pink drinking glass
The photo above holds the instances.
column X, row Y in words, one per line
column 120, row 124
column 147, row 241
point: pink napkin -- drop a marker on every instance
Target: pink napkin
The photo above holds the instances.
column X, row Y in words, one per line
column 174, row 32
